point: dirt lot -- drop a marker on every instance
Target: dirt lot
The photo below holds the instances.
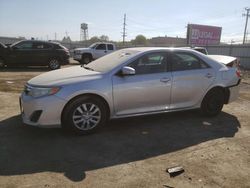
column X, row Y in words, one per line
column 132, row 152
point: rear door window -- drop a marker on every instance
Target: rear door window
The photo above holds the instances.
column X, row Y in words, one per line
column 41, row 46
column 110, row 47
column 24, row 45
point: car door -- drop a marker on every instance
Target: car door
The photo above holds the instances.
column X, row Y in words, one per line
column 191, row 79
column 146, row 91
column 21, row 53
column 100, row 50
column 41, row 53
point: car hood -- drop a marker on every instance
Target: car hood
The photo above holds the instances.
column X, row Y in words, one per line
column 82, row 49
column 64, row 76
column 222, row 58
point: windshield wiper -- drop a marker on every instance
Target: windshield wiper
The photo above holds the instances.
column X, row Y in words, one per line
column 88, row 68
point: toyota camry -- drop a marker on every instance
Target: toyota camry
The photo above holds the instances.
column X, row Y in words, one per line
column 130, row 82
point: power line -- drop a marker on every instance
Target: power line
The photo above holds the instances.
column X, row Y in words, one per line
column 124, row 29
column 245, row 31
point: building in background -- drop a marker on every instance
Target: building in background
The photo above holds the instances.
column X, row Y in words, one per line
column 167, row 41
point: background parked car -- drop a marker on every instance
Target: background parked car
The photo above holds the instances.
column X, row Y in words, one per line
column 201, row 49
column 34, row 53
column 94, row 51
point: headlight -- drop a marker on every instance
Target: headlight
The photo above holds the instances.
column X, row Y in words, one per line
column 41, row 91
column 77, row 52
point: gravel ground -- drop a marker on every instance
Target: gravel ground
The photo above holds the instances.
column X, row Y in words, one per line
column 131, row 152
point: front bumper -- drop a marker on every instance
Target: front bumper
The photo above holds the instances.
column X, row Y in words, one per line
column 43, row 111
column 77, row 57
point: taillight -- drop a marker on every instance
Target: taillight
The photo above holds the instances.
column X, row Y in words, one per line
column 67, row 52
column 238, row 73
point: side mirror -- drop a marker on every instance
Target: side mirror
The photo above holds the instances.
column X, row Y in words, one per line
column 127, row 71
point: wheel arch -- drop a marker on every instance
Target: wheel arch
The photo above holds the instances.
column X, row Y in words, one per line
column 225, row 90
column 88, row 95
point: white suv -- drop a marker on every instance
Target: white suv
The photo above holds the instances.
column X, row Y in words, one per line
column 95, row 51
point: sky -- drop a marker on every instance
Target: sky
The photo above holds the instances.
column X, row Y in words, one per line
column 43, row 18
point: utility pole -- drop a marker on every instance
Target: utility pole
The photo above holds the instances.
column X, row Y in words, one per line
column 124, row 29
column 245, row 31
column 55, row 36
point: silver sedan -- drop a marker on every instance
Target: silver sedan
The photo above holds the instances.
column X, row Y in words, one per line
column 130, row 82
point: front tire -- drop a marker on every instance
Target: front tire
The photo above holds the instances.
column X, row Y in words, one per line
column 54, row 64
column 213, row 102
column 86, row 58
column 84, row 115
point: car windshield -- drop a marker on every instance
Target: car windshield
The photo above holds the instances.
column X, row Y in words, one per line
column 15, row 43
column 108, row 62
column 93, row 45
column 2, row 45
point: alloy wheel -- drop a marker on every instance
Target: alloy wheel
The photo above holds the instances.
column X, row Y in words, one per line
column 86, row 116
column 54, row 64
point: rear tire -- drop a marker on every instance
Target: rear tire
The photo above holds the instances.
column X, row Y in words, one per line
column 86, row 58
column 213, row 102
column 54, row 64
column 84, row 115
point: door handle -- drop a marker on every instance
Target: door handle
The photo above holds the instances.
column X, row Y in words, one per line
column 165, row 80
column 209, row 75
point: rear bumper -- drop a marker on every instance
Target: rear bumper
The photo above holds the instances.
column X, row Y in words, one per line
column 234, row 92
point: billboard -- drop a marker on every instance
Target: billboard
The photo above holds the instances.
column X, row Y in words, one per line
column 203, row 35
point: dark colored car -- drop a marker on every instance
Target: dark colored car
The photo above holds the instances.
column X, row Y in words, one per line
column 34, row 53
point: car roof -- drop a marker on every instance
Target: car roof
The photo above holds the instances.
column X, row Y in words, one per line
column 103, row 43
column 146, row 49
column 48, row 42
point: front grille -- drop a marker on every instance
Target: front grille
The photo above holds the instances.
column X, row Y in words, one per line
column 77, row 52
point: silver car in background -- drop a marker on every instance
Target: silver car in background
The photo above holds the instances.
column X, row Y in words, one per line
column 130, row 82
